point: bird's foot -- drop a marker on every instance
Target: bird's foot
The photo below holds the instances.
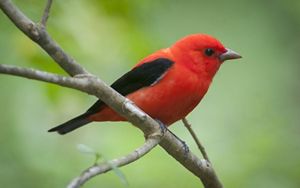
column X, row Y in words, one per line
column 159, row 133
column 163, row 128
column 184, row 145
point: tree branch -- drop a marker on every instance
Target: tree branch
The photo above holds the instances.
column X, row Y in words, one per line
column 170, row 143
column 94, row 86
column 192, row 132
column 45, row 16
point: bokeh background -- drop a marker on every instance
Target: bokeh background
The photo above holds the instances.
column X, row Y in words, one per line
column 248, row 121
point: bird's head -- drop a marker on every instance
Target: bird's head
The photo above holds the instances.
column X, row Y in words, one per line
column 202, row 53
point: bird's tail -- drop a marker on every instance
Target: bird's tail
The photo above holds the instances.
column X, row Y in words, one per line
column 71, row 124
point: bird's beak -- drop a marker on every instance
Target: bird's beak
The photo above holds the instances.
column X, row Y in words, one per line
column 229, row 54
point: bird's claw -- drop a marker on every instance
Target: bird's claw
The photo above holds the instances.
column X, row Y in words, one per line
column 184, row 145
column 162, row 127
column 159, row 133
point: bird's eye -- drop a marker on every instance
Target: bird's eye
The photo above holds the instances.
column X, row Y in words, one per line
column 209, row 52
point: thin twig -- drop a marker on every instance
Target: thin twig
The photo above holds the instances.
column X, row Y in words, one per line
column 45, row 16
column 92, row 171
column 200, row 146
column 75, row 83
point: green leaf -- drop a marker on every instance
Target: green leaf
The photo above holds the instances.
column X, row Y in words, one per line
column 89, row 151
column 119, row 173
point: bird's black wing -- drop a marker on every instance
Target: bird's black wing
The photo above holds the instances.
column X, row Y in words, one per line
column 144, row 75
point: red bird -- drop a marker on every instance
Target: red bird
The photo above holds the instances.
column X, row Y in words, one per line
column 167, row 84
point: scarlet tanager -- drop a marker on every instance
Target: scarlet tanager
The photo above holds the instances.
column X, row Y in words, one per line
column 167, row 84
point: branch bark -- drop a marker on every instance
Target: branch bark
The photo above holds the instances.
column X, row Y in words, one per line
column 94, row 86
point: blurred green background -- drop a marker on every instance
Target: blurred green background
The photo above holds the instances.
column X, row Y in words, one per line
column 248, row 121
